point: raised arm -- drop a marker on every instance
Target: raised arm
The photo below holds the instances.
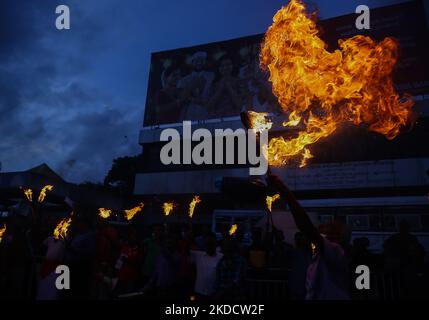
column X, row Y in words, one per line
column 299, row 214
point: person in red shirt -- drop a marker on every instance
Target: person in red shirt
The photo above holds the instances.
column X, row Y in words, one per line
column 128, row 264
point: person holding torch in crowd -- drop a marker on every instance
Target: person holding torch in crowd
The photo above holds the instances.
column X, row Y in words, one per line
column 327, row 273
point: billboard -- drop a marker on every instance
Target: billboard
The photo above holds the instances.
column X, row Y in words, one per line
column 219, row 80
column 205, row 82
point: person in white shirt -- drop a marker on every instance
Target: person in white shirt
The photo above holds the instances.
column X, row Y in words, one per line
column 198, row 84
column 206, row 262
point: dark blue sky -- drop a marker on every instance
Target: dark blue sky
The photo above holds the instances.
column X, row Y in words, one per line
column 75, row 99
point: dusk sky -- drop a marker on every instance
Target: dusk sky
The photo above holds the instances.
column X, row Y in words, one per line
column 75, row 98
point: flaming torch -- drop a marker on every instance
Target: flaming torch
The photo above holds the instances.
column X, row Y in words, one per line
column 258, row 121
column 270, row 200
column 2, row 232
column 167, row 207
column 129, row 214
column 233, row 229
column 321, row 90
column 192, row 205
column 62, row 228
column 34, row 205
column 42, row 193
column 28, row 194
column 104, row 213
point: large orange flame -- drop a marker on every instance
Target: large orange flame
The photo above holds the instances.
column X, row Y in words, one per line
column 320, row 90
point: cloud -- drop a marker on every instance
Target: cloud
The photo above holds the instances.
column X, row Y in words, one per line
column 70, row 97
column 108, row 130
column 50, row 109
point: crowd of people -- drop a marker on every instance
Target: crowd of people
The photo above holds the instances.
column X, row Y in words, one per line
column 182, row 261
column 229, row 87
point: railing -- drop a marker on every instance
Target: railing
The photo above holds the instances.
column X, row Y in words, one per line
column 258, row 289
column 383, row 286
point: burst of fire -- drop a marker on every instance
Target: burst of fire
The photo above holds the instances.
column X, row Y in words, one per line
column 259, row 121
column 321, row 90
column 233, row 229
column 62, row 228
column 270, row 200
column 168, row 207
column 129, row 214
column 28, row 194
column 192, row 205
column 104, row 213
column 42, row 193
column 2, row 232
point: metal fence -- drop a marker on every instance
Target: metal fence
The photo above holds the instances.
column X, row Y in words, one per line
column 382, row 287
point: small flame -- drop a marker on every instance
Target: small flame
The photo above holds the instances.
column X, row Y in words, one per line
column 28, row 194
column 307, row 155
column 192, row 205
column 62, row 228
column 104, row 213
column 168, row 208
column 259, row 121
column 313, row 248
column 129, row 214
column 42, row 193
column 233, row 229
column 2, row 232
column 270, row 200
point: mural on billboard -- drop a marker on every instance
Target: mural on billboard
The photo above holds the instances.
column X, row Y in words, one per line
column 212, row 81
column 219, row 80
